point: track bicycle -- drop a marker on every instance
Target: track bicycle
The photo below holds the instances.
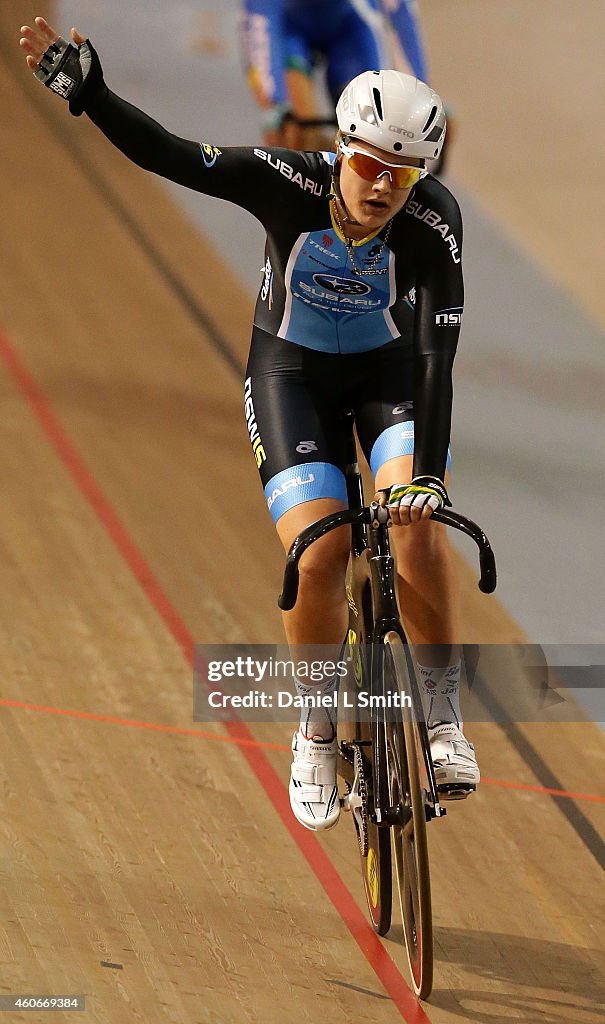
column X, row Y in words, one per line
column 391, row 791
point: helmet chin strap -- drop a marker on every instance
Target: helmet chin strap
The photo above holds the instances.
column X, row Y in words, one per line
column 335, row 193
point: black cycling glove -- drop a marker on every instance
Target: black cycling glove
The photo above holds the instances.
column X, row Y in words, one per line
column 73, row 72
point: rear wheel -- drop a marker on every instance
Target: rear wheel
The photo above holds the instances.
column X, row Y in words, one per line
column 407, row 794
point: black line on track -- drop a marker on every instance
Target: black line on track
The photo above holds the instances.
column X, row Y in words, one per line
column 127, row 220
column 567, row 806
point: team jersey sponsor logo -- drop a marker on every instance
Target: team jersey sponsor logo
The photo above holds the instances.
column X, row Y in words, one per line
column 288, row 485
column 433, row 220
column 399, row 410
column 410, row 298
column 324, row 250
column 266, row 292
column 341, row 285
column 449, row 317
column 340, row 302
column 306, row 184
column 327, row 240
column 210, row 154
column 255, row 438
column 305, row 447
column 315, row 259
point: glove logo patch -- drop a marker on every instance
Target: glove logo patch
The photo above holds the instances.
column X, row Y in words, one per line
column 62, row 85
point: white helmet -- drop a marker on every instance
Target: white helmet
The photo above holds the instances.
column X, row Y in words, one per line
column 393, row 111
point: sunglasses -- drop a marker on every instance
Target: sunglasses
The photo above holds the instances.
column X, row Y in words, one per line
column 369, row 168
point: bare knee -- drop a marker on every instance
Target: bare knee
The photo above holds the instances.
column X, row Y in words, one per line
column 323, row 566
column 422, row 550
column 424, row 539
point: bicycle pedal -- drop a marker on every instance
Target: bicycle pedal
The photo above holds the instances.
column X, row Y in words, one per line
column 455, row 790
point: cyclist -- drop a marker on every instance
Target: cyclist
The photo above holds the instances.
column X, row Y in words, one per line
column 283, row 41
column 359, row 308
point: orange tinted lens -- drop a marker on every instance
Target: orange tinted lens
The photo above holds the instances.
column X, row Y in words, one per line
column 366, row 166
column 369, row 168
column 405, row 177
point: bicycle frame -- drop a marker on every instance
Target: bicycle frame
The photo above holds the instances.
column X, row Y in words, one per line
column 373, row 567
column 372, row 563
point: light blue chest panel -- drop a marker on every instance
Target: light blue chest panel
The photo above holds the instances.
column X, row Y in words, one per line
column 330, row 309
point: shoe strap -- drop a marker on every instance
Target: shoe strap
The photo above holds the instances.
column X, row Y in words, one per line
column 304, row 745
column 313, row 774
column 444, row 729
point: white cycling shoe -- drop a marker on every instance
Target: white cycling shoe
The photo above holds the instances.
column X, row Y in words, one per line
column 456, row 769
column 313, row 790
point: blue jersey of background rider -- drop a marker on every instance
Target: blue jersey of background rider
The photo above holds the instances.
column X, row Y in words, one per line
column 287, row 34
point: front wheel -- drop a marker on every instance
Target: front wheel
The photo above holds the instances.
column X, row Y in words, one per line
column 375, row 850
column 373, row 841
column 405, row 774
column 377, row 874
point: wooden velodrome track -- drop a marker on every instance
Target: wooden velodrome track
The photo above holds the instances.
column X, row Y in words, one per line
column 148, row 862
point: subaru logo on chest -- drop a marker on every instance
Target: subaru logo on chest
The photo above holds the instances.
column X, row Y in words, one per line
column 341, row 285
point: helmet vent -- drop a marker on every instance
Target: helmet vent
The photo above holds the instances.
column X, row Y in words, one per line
column 435, row 134
column 430, row 119
column 378, row 103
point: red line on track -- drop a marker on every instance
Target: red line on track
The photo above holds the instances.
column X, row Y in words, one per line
column 133, row 723
column 368, row 942
column 504, row 784
column 179, row 730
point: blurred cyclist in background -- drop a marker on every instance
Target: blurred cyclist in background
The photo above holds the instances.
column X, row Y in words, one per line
column 284, row 42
